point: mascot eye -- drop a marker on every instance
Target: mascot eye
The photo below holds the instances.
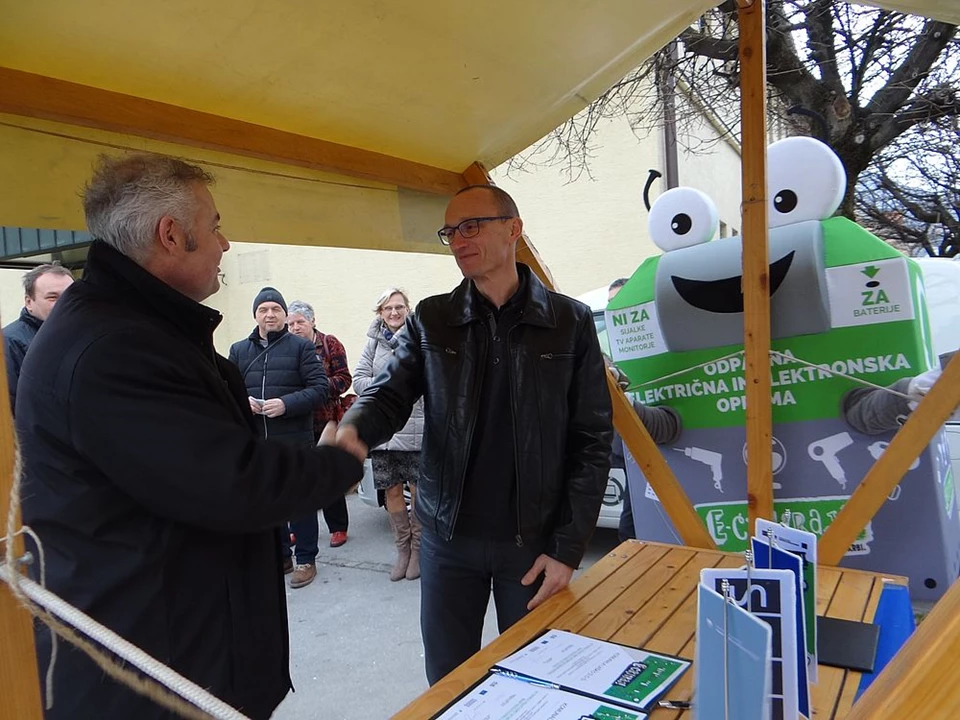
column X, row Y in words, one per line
column 785, row 201
column 681, row 224
column 805, row 181
column 683, row 217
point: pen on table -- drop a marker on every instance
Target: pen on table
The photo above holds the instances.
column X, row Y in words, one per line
column 674, row 704
column 526, row 679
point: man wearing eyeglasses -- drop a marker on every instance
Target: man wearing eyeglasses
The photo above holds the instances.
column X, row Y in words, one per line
column 517, row 431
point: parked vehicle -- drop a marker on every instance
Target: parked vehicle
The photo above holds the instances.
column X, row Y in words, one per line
column 941, row 281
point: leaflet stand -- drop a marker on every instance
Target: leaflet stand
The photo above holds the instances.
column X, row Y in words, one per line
column 772, row 542
column 785, row 518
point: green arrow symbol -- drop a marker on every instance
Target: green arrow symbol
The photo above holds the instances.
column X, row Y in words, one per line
column 870, row 271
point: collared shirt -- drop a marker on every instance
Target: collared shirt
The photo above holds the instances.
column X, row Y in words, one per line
column 489, row 505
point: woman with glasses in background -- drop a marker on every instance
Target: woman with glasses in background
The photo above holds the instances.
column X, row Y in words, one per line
column 398, row 460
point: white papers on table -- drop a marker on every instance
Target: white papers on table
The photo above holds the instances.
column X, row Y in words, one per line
column 504, row 698
column 615, row 673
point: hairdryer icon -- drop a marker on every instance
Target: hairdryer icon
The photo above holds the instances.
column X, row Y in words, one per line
column 826, row 450
column 709, row 458
column 877, row 448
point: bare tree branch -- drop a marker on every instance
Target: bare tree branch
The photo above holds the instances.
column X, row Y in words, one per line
column 933, row 39
column 938, row 103
column 886, row 85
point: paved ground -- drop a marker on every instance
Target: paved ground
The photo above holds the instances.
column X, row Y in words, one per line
column 355, row 636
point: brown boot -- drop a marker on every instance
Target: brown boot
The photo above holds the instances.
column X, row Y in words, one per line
column 400, row 523
column 303, row 575
column 413, row 569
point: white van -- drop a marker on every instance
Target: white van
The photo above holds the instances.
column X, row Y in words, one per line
column 941, row 282
column 617, row 480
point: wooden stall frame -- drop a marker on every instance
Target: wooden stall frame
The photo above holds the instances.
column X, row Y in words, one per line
column 45, row 98
column 37, row 96
column 19, row 677
column 756, row 263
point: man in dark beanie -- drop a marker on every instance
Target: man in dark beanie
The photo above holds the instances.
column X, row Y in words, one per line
column 285, row 383
column 269, row 294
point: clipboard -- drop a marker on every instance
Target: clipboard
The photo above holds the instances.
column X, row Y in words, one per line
column 607, row 706
column 614, row 673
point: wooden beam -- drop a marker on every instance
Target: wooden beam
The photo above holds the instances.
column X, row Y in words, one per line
column 930, row 415
column 20, row 695
column 655, row 469
column 921, row 680
column 635, row 436
column 756, row 264
column 38, row 96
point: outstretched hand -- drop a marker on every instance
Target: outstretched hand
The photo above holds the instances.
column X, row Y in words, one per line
column 346, row 438
column 556, row 576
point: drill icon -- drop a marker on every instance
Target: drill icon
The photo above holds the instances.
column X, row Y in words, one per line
column 709, row 458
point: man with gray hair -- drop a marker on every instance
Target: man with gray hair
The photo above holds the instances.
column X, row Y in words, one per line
column 42, row 287
column 302, row 321
column 157, row 505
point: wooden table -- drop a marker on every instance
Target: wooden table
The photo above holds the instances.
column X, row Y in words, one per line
column 643, row 594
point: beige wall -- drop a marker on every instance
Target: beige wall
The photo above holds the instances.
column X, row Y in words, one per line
column 342, row 285
column 11, row 295
column 714, row 168
column 594, row 229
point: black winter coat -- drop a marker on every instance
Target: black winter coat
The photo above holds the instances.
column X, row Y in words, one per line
column 157, row 505
column 560, row 405
column 289, row 369
column 17, row 337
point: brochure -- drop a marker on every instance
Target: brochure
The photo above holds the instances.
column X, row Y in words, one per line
column 773, row 557
column 497, row 697
column 804, row 545
column 770, row 595
column 733, row 668
column 613, row 673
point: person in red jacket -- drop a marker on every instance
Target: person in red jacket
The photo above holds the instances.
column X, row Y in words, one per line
column 302, row 321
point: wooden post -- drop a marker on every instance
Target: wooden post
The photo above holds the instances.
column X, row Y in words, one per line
column 671, row 494
column 635, row 436
column 19, row 679
column 886, row 472
column 756, row 266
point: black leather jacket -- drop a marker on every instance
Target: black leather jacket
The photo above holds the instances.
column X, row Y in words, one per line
column 560, row 404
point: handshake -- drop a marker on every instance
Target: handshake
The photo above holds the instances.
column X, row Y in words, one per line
column 345, row 438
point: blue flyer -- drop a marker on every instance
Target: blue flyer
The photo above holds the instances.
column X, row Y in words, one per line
column 783, row 560
column 730, row 637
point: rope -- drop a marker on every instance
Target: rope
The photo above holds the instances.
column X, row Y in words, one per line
column 774, row 353
column 829, row 371
column 684, row 371
column 161, row 684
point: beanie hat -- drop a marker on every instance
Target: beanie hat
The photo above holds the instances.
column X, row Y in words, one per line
column 268, row 294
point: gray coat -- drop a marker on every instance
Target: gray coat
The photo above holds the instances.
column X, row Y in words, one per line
column 376, row 354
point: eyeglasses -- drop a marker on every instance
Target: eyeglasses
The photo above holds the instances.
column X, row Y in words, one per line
column 468, row 228
column 393, row 308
